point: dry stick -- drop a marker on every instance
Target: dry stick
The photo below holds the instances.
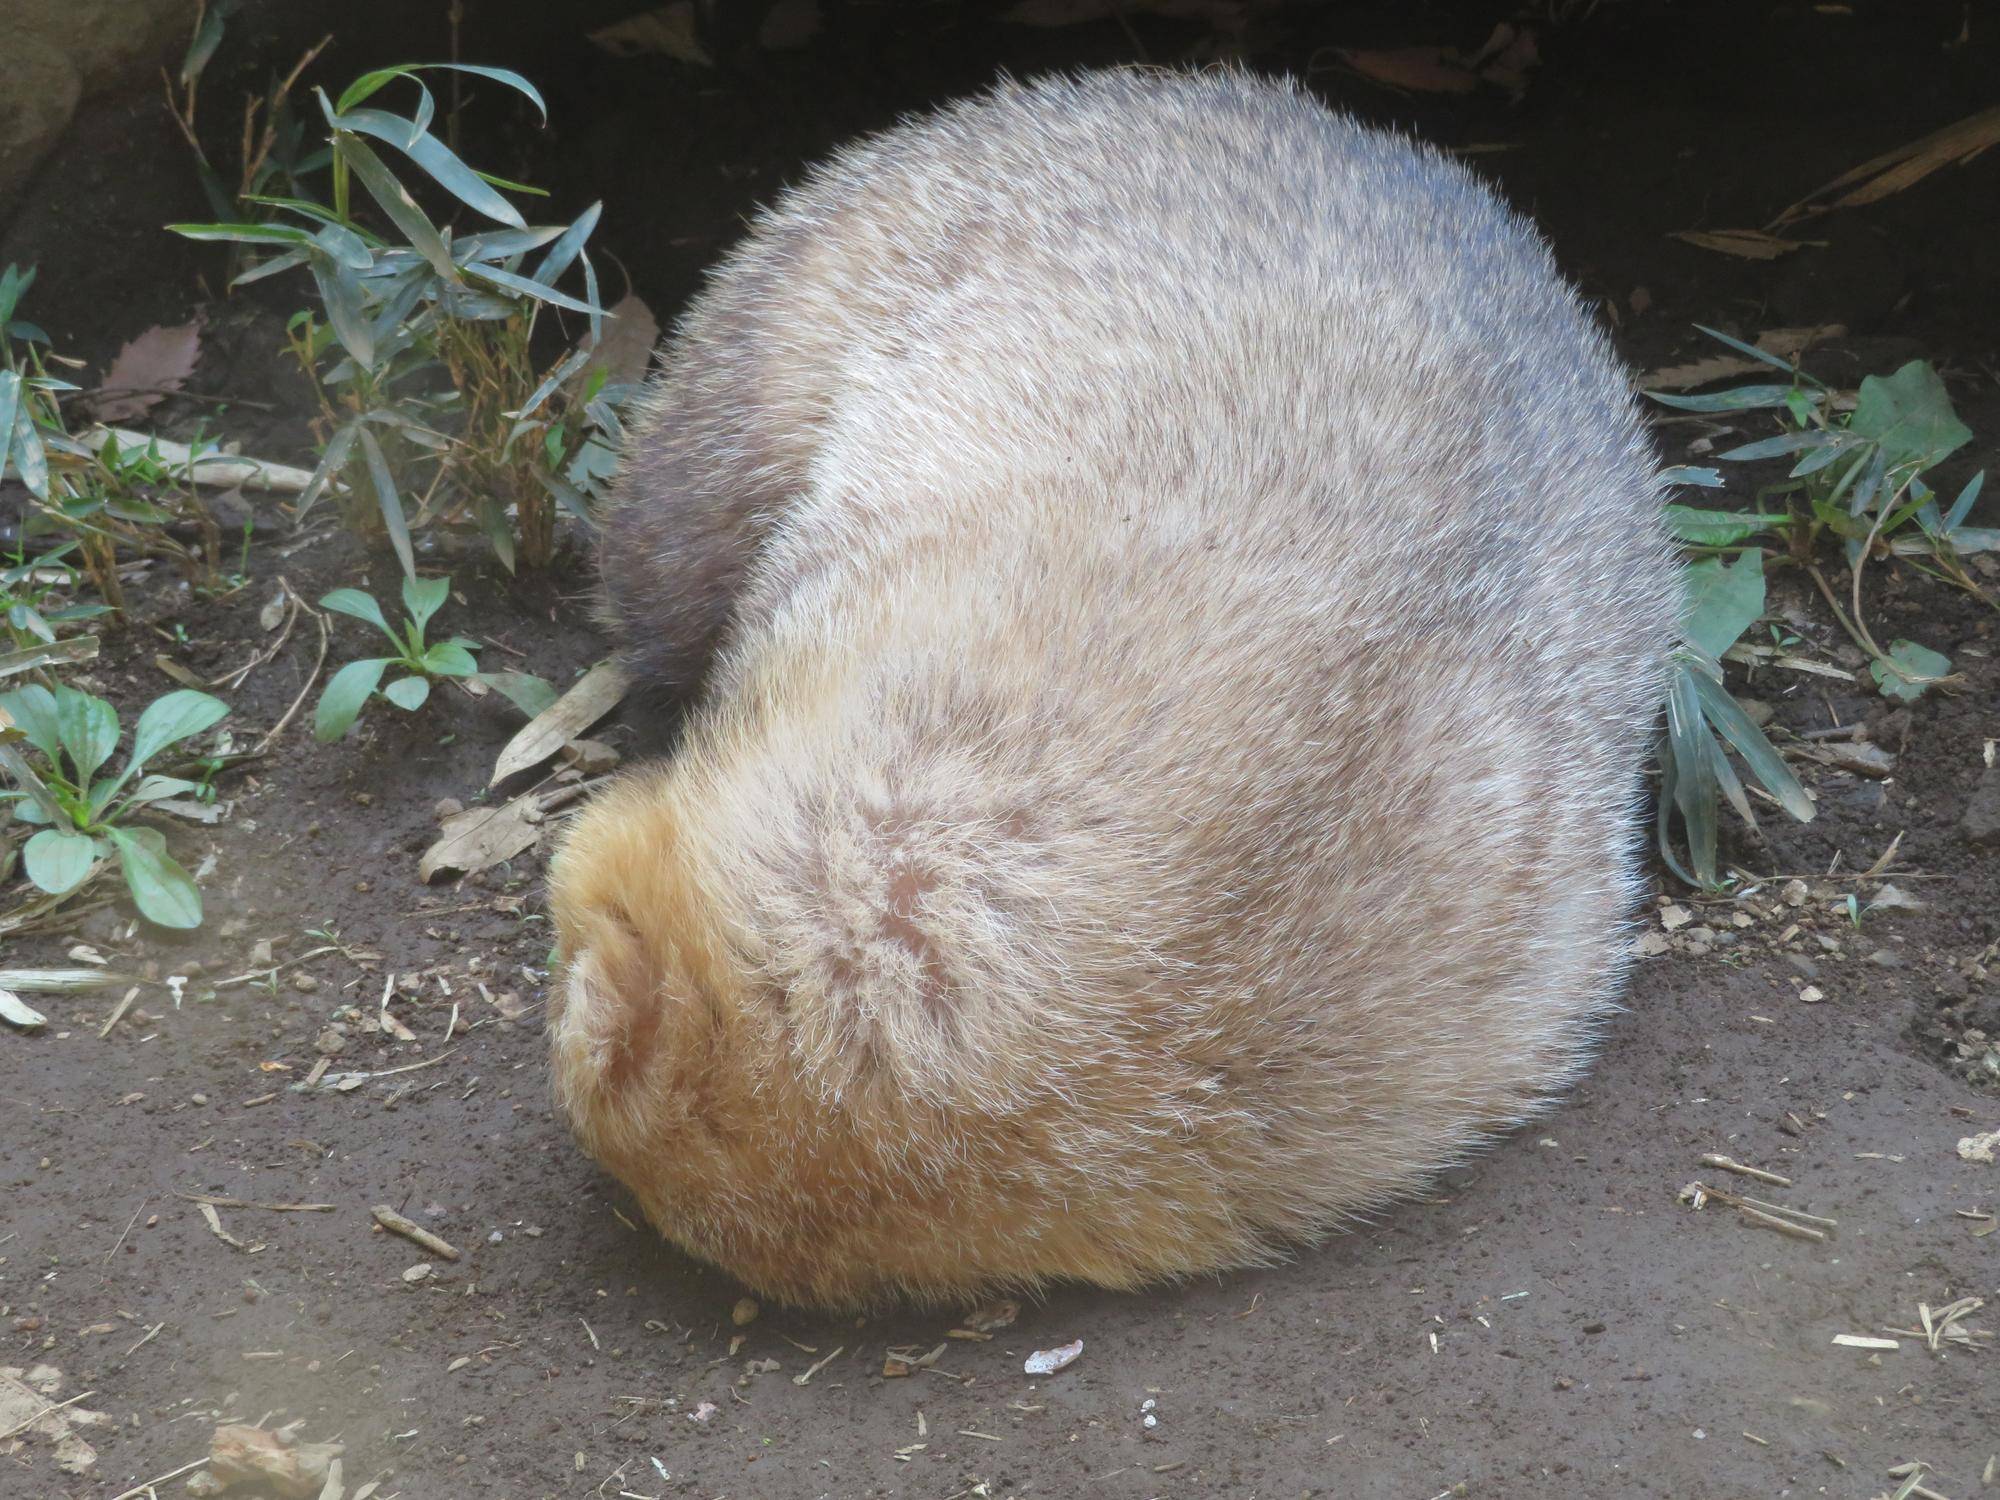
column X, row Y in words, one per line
column 140, row 1489
column 1783, row 1226
column 277, row 1208
column 118, row 1012
column 24, row 1426
column 279, row 727
column 409, row 1229
column 128, row 1229
column 1729, row 1164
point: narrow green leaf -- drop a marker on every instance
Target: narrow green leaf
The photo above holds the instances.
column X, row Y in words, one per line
column 1719, row 528
column 1742, row 398
column 1766, row 356
column 1726, row 714
column 396, row 202
column 390, row 502
column 436, row 158
column 330, row 464
column 369, row 83
column 565, row 250
column 535, row 289
column 1784, row 442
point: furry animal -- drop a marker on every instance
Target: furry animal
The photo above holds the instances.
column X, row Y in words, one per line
column 1180, row 591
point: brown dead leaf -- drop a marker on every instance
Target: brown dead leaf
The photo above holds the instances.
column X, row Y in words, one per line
column 1786, row 343
column 594, row 695
column 1892, row 171
column 481, row 836
column 31, row 1415
column 1422, row 70
column 1745, row 244
column 157, row 362
column 668, row 31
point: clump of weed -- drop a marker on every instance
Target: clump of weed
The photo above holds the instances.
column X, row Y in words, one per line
column 434, row 404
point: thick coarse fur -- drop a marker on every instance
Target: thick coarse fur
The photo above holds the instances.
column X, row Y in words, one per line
column 1192, row 600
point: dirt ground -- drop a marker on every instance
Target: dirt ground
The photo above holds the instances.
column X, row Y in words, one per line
column 1550, row 1321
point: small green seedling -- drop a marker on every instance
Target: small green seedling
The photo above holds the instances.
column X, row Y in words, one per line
column 354, row 684
column 87, row 818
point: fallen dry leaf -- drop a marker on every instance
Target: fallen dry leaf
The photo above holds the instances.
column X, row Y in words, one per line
column 668, row 31
column 595, row 694
column 481, row 836
column 154, row 364
column 1422, row 70
column 1223, row 15
column 1892, row 171
column 1746, row 244
column 1980, row 1148
column 1786, row 343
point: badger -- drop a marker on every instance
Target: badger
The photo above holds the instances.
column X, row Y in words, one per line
column 1171, row 589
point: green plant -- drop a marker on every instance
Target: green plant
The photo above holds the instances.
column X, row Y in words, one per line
column 354, row 684
column 107, row 496
column 1856, row 475
column 1724, row 599
column 87, row 818
column 423, row 350
column 30, row 588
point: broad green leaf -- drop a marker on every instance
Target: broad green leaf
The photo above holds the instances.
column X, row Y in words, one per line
column 1909, row 413
column 88, row 728
column 1719, row 528
column 408, row 693
column 340, row 705
column 345, row 247
column 33, row 710
column 273, row 267
column 436, row 158
column 172, row 718
column 527, row 692
column 390, row 503
column 1723, row 600
column 58, row 861
column 359, row 606
column 424, row 597
column 163, row 891
column 450, row 659
column 1907, row 671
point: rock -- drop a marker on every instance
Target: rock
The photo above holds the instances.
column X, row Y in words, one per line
column 1981, row 821
column 252, row 1456
column 447, row 807
column 332, row 1041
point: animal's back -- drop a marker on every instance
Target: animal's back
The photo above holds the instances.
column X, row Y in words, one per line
column 1191, row 596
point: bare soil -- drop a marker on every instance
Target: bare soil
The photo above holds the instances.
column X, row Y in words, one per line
column 1551, row 1320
